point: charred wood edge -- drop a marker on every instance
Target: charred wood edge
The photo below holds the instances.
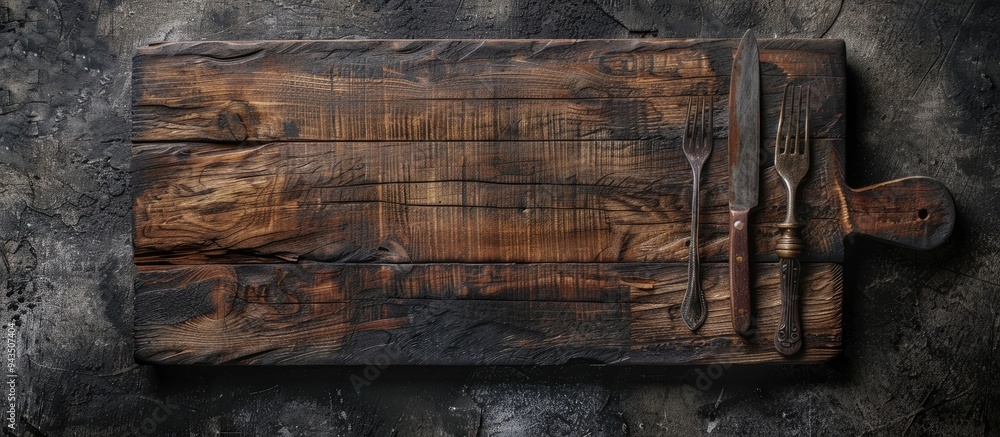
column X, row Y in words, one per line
column 202, row 322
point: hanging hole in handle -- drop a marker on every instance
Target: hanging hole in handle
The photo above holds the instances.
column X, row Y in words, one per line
column 922, row 214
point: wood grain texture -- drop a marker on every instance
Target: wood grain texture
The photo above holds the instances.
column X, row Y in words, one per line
column 600, row 201
column 557, row 201
column 473, row 202
column 457, row 90
column 596, row 176
column 913, row 212
column 740, row 288
column 321, row 313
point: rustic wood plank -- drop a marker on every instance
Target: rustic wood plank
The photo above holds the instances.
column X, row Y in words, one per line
column 558, row 201
column 320, row 313
column 241, row 117
column 633, row 59
column 459, row 90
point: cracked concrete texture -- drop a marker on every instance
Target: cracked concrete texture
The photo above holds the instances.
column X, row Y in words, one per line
column 921, row 328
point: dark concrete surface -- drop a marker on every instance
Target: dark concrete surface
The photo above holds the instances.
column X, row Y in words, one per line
column 921, row 328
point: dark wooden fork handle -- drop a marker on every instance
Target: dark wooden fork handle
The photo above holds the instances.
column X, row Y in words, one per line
column 788, row 339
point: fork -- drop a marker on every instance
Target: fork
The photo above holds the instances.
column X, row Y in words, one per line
column 697, row 148
column 791, row 160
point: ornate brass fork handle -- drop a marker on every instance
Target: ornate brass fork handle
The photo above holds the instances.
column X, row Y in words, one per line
column 791, row 160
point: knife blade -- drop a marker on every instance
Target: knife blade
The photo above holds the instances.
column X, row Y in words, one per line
column 744, row 172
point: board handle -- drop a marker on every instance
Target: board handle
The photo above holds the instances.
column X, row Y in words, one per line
column 916, row 212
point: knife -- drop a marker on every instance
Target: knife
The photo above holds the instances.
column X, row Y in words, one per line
column 744, row 168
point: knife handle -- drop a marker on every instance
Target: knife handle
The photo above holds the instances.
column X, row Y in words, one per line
column 739, row 271
column 788, row 338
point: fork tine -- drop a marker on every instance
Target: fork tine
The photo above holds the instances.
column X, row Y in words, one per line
column 699, row 136
column 694, row 123
column 805, row 143
column 710, row 121
column 781, row 120
column 789, row 145
column 700, row 118
column 797, row 109
column 687, row 124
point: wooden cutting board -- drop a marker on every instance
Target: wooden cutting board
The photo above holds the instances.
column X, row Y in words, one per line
column 474, row 202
